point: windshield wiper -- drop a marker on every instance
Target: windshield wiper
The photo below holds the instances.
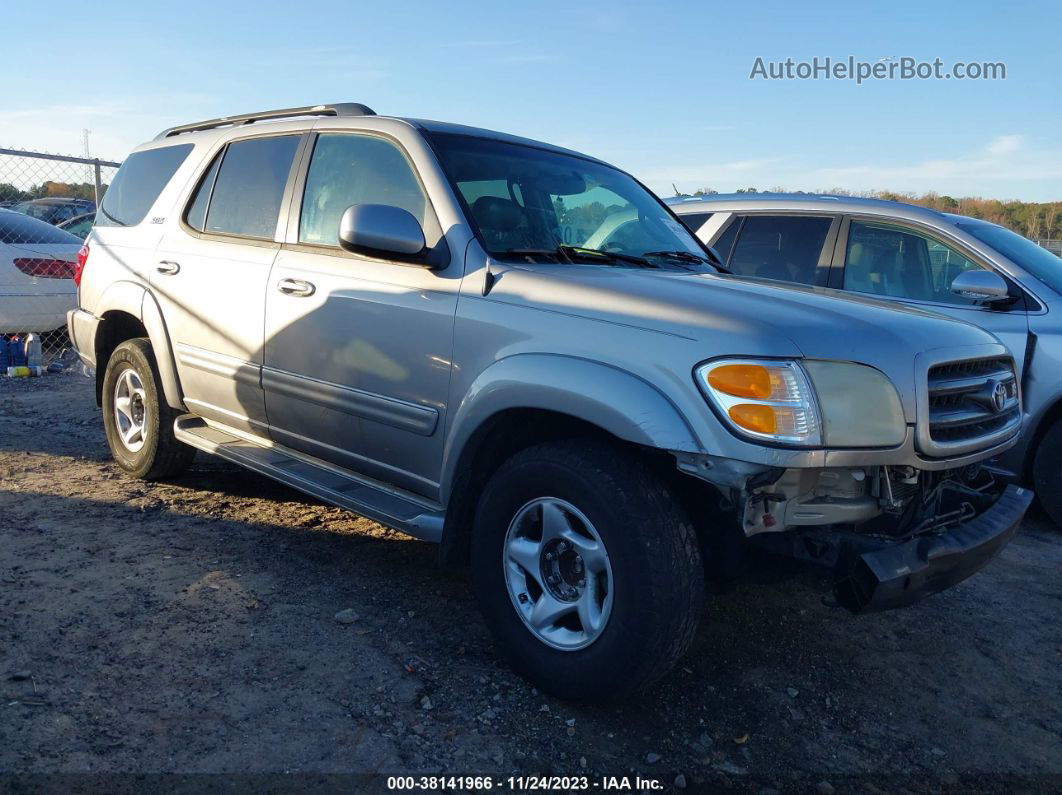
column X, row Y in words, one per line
column 571, row 253
column 615, row 256
column 531, row 252
column 689, row 256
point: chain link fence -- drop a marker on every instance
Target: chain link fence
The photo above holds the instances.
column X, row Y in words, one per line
column 47, row 207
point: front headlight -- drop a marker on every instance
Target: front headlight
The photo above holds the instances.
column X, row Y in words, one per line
column 807, row 403
column 764, row 399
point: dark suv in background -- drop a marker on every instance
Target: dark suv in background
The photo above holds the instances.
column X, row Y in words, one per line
column 55, row 210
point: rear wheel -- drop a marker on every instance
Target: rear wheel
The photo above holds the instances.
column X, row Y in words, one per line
column 586, row 569
column 1047, row 472
column 137, row 420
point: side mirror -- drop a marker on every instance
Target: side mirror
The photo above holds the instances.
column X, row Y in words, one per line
column 380, row 230
column 981, row 285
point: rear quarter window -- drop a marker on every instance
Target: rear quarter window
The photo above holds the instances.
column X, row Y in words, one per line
column 138, row 183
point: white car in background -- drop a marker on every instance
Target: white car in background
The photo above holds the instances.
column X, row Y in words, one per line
column 37, row 263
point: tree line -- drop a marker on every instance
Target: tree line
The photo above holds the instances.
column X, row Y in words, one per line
column 1036, row 220
column 65, row 190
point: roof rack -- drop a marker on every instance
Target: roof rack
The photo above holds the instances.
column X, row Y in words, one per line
column 337, row 109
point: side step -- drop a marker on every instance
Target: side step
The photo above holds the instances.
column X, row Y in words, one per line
column 317, row 479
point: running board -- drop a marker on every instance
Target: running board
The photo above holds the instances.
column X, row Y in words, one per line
column 316, row 479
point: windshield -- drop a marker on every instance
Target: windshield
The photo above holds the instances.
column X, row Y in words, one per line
column 41, row 211
column 1037, row 260
column 526, row 201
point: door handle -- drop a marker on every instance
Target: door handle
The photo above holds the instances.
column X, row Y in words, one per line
column 169, row 267
column 295, row 287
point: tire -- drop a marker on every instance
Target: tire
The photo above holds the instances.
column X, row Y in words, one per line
column 1047, row 472
column 647, row 595
column 154, row 453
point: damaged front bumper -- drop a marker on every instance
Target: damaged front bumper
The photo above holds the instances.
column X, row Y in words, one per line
column 873, row 573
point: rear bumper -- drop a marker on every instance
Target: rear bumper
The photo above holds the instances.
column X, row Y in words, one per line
column 874, row 575
column 81, row 327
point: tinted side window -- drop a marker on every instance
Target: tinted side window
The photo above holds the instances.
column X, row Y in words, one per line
column 724, row 244
column 785, row 248
column 138, row 183
column 250, row 185
column 355, row 169
column 694, row 221
column 890, row 260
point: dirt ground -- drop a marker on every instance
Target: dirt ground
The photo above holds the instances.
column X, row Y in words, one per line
column 190, row 627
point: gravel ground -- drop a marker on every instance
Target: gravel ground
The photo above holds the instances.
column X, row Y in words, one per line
column 192, row 627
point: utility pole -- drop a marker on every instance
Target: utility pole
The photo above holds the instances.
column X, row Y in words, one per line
column 88, row 155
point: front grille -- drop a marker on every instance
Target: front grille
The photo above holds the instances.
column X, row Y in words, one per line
column 972, row 399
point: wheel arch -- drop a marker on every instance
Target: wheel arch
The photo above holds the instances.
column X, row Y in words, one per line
column 532, row 398
column 129, row 311
column 1046, row 420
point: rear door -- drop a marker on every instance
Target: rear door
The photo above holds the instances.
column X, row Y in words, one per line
column 210, row 277
column 787, row 247
column 915, row 265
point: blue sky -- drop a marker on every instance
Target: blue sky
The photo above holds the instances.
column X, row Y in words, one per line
column 661, row 90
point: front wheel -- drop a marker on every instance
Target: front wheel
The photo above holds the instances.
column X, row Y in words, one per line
column 136, row 418
column 586, row 569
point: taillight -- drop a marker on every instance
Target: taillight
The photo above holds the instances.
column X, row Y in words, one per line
column 46, row 268
column 82, row 258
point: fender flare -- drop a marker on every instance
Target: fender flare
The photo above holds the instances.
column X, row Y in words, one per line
column 136, row 300
column 617, row 401
column 121, row 296
column 160, row 345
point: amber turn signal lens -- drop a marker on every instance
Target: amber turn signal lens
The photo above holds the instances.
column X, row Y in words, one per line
column 761, row 419
column 742, row 380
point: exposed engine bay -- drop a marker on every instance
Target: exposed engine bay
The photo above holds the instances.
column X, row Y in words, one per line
column 889, row 534
column 894, row 502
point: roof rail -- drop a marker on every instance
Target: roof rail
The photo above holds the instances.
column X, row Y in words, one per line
column 336, row 109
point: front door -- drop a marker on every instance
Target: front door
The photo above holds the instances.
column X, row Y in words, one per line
column 358, row 350
column 913, row 266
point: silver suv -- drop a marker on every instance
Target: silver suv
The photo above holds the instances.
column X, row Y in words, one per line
column 519, row 352
column 963, row 267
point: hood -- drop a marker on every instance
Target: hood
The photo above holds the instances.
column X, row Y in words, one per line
column 728, row 315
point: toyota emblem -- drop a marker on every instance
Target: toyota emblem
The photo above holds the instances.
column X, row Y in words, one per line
column 999, row 397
